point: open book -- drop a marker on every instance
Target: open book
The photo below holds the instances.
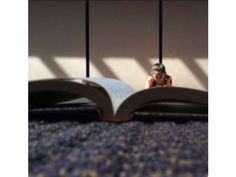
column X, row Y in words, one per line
column 116, row 99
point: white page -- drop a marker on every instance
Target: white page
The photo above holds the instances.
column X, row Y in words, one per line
column 116, row 89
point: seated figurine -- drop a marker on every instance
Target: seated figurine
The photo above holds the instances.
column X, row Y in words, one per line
column 158, row 77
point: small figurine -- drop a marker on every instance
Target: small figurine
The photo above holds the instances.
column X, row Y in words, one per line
column 158, row 77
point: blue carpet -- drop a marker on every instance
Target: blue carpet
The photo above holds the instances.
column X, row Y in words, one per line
column 138, row 149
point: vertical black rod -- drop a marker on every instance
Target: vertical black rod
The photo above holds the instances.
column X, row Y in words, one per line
column 160, row 31
column 87, row 36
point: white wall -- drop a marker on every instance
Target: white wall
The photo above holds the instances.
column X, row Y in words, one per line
column 123, row 40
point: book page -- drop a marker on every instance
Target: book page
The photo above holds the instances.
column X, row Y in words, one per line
column 156, row 94
column 117, row 90
column 55, row 91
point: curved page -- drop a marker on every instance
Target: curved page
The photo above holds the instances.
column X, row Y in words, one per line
column 117, row 90
column 73, row 88
column 143, row 97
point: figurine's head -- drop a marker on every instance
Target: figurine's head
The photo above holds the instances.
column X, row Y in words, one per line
column 158, row 67
column 158, row 72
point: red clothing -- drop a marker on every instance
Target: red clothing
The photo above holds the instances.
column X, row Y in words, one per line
column 152, row 83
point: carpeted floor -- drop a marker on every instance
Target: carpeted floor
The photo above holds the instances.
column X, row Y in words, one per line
column 138, row 149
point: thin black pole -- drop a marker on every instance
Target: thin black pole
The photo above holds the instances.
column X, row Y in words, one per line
column 87, row 36
column 160, row 31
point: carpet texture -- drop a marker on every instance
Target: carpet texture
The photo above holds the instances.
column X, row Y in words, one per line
column 138, row 149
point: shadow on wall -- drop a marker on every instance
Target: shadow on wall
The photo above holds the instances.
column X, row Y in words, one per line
column 119, row 29
column 56, row 28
